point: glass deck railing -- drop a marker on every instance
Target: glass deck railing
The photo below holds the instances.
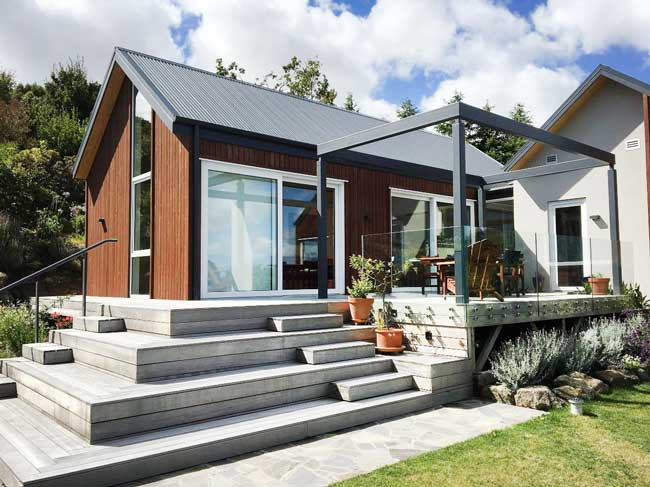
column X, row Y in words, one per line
column 503, row 265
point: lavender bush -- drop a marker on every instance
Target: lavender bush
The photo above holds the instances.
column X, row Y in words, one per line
column 637, row 339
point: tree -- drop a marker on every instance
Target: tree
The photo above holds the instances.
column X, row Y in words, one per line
column 303, row 79
column 349, row 103
column 407, row 109
column 68, row 89
column 233, row 70
column 14, row 122
column 498, row 145
column 7, row 85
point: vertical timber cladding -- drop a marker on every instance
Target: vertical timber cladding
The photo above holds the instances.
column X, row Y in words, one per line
column 367, row 191
column 646, row 135
column 171, row 211
column 108, row 197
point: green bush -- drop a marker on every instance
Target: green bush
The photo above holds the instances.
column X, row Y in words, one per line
column 530, row 359
column 17, row 328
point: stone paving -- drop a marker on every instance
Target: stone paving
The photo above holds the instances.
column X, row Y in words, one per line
column 326, row 459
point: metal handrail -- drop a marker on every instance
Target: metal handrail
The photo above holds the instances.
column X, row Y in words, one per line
column 36, row 275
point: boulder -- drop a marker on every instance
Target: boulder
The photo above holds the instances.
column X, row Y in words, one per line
column 617, row 377
column 586, row 392
column 567, row 392
column 535, row 397
column 499, row 393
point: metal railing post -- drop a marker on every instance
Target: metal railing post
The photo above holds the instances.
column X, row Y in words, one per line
column 84, row 281
column 36, row 333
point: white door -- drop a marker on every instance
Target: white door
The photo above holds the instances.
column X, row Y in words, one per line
column 569, row 244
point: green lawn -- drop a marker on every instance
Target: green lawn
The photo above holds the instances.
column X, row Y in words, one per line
column 609, row 446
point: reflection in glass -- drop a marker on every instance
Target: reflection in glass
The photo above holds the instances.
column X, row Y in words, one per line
column 142, row 215
column 445, row 228
column 241, row 233
column 141, row 136
column 140, row 275
column 300, row 237
column 411, row 235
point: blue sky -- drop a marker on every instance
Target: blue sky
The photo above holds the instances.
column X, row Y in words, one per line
column 382, row 51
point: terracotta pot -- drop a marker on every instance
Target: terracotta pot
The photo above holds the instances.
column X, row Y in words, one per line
column 390, row 340
column 599, row 285
column 360, row 308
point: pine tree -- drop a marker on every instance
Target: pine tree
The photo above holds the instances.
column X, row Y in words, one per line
column 407, row 109
column 349, row 103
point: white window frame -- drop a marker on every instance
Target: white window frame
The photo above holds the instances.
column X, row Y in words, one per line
column 586, row 254
column 280, row 177
column 134, row 181
column 433, row 199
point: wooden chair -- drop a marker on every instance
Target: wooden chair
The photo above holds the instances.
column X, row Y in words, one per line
column 482, row 267
column 511, row 272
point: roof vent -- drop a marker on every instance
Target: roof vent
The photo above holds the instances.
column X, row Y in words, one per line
column 632, row 144
column 551, row 159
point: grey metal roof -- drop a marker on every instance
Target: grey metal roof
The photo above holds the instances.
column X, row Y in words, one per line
column 601, row 70
column 180, row 93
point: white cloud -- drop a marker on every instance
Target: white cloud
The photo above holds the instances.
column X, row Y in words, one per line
column 36, row 34
column 478, row 47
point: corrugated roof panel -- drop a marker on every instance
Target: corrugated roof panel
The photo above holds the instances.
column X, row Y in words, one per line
column 205, row 97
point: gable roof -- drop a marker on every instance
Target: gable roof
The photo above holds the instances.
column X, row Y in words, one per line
column 181, row 94
column 591, row 84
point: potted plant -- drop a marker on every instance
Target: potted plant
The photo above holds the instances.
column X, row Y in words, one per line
column 599, row 284
column 381, row 276
column 360, row 303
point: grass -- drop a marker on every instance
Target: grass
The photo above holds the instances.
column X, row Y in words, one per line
column 608, row 446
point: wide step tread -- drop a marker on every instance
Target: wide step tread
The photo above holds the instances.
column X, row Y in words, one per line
column 305, row 322
column 372, row 386
column 335, row 352
column 163, row 451
column 47, row 353
column 98, row 324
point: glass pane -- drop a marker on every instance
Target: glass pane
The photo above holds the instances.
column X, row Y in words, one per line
column 568, row 230
column 140, row 275
column 445, row 228
column 300, row 237
column 499, row 222
column 142, row 215
column 242, row 233
column 141, row 136
column 411, row 234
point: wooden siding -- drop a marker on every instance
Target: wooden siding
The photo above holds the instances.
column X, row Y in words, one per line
column 367, row 191
column 108, row 196
column 171, row 196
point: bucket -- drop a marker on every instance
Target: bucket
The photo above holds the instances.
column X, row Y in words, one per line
column 576, row 406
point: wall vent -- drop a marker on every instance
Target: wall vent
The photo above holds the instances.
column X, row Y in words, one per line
column 551, row 159
column 632, row 144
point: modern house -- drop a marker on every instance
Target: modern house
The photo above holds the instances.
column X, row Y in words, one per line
column 209, row 185
column 215, row 188
column 609, row 110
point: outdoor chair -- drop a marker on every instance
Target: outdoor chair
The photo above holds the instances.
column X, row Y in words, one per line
column 511, row 272
column 482, row 267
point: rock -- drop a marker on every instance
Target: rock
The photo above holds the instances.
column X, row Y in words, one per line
column 535, row 397
column 617, row 377
column 567, row 392
column 499, row 393
column 586, row 392
column 644, row 374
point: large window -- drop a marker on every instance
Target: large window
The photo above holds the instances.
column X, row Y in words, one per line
column 569, row 243
column 260, row 231
column 141, row 197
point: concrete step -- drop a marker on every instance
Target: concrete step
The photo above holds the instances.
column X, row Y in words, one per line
column 29, row 453
column 98, row 324
column 372, row 386
column 144, row 357
column 305, row 322
column 335, row 352
column 7, row 387
column 47, row 353
column 98, row 405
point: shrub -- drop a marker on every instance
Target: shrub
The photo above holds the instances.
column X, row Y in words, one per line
column 634, row 298
column 611, row 333
column 631, row 363
column 637, row 339
column 16, row 327
column 530, row 359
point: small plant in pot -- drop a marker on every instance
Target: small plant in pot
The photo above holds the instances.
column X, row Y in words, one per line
column 381, row 276
column 360, row 303
column 599, row 284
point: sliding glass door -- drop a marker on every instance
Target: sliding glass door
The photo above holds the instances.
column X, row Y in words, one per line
column 260, row 234
column 569, row 243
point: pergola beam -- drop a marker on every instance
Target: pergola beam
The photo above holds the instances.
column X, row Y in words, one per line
column 388, row 130
column 532, row 172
